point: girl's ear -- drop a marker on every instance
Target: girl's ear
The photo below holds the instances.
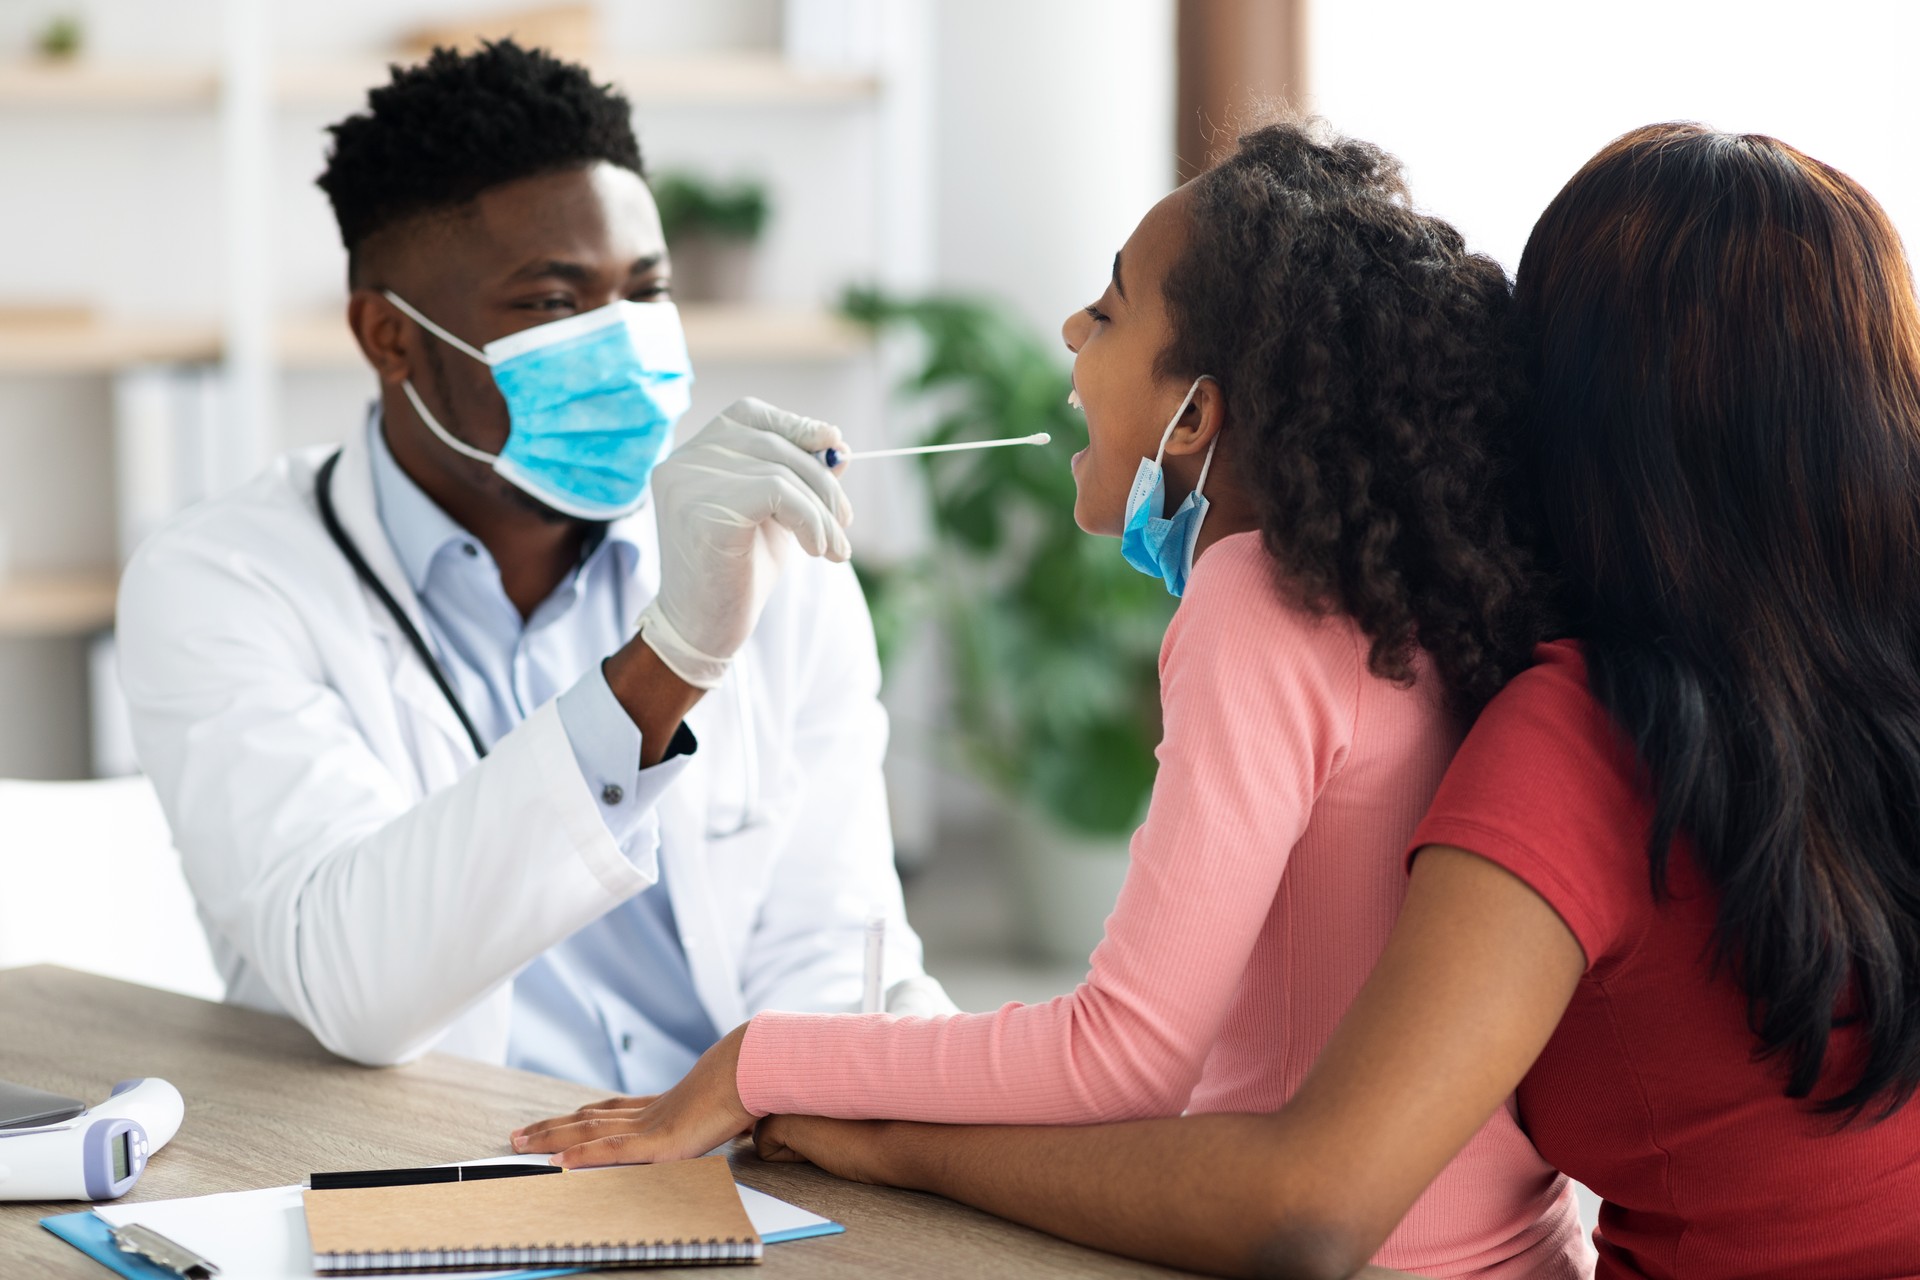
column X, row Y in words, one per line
column 1200, row 425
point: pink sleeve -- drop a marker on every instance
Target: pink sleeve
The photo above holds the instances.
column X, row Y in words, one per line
column 1258, row 702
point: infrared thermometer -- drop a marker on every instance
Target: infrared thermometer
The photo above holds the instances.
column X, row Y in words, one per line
column 97, row 1155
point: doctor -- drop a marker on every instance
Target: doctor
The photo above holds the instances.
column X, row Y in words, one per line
column 430, row 788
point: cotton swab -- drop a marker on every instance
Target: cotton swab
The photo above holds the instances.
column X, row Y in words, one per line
column 834, row 457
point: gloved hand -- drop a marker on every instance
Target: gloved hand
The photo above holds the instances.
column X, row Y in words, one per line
column 920, row 997
column 732, row 501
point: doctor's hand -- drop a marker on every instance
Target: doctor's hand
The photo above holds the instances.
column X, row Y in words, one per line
column 732, row 502
column 690, row 1119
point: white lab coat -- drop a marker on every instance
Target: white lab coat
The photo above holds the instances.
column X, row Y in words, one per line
column 356, row 867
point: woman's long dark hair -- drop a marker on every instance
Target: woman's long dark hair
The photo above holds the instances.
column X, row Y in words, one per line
column 1366, row 359
column 1725, row 443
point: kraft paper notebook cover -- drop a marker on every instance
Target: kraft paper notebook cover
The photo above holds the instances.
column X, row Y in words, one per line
column 683, row 1212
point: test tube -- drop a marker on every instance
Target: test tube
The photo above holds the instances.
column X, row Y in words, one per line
column 875, row 964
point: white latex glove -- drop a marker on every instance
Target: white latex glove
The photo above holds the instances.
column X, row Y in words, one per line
column 921, row 997
column 732, row 501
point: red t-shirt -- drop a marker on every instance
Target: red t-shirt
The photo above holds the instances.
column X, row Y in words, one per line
column 1649, row 1091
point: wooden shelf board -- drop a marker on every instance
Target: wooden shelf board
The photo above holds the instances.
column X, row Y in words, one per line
column 728, row 79
column 87, row 84
column 98, row 346
column 715, row 334
column 74, row 604
column 733, row 79
column 773, row 334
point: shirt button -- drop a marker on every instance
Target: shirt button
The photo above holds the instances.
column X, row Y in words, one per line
column 612, row 793
column 626, row 1042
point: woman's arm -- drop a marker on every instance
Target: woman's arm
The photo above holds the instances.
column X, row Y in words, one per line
column 1470, row 987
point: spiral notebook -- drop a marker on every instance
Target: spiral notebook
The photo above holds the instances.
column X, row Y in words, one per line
column 659, row 1214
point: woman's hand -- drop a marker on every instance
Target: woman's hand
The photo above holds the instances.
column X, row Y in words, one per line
column 857, row 1150
column 692, row 1118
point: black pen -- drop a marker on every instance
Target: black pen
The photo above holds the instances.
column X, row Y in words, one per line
column 415, row 1177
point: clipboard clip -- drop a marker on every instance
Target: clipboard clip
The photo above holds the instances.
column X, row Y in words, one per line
column 162, row 1252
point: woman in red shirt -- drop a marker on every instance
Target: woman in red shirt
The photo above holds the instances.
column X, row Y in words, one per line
column 1671, row 885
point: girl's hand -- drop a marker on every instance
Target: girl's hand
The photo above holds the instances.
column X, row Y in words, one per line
column 857, row 1150
column 692, row 1118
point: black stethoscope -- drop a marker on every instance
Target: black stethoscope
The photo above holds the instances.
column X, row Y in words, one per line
column 323, row 496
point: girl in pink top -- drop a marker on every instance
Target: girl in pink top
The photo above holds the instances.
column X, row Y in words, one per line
column 1292, row 384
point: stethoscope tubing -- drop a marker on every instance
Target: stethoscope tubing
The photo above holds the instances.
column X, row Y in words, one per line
column 323, row 498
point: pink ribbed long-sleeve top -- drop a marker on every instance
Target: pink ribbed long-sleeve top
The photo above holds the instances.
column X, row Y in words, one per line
column 1259, row 894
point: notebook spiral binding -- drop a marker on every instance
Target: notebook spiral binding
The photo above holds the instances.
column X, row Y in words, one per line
column 712, row 1251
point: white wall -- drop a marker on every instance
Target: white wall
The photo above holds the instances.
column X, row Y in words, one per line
column 1494, row 104
column 1055, row 134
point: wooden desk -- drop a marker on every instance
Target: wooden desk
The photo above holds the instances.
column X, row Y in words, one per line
column 266, row 1105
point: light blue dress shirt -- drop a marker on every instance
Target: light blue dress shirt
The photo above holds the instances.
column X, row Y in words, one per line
column 614, row 1005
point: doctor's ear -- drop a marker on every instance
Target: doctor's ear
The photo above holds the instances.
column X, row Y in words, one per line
column 384, row 334
column 1200, row 424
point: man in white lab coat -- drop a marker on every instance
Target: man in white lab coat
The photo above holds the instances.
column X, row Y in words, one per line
column 430, row 788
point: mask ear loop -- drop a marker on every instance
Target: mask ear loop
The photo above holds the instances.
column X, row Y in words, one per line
column 1174, row 421
column 457, row 344
column 1200, row 488
column 413, row 397
column 433, row 425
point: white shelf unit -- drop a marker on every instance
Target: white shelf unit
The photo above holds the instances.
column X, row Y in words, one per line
column 726, row 79
column 245, row 96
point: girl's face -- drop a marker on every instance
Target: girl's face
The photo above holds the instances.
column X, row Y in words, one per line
column 1115, row 343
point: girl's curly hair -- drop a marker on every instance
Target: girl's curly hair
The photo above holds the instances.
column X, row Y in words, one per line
column 1370, row 383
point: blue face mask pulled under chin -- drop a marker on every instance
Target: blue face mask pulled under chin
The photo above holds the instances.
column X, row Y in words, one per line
column 1162, row 546
column 591, row 403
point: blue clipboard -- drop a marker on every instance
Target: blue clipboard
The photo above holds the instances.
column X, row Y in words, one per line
column 88, row 1234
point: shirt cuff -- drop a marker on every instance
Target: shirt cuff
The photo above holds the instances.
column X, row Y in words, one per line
column 606, row 746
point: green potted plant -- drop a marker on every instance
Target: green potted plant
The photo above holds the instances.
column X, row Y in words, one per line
column 1052, row 640
column 61, row 38
column 712, row 230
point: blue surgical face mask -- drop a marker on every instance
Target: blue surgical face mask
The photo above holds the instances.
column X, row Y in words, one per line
column 1162, row 546
column 591, row 403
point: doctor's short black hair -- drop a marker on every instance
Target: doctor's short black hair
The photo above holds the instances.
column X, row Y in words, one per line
column 441, row 132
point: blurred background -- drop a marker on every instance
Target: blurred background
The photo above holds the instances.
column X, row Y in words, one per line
column 880, row 211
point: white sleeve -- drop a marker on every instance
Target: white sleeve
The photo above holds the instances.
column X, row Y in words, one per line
column 807, row 949
column 374, row 920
